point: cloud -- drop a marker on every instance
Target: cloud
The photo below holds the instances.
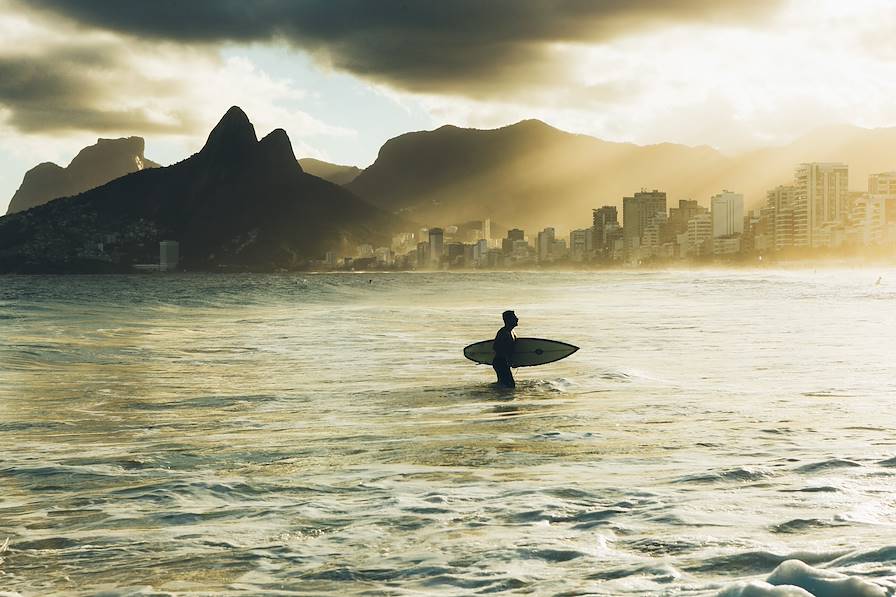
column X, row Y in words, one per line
column 464, row 47
column 54, row 78
column 63, row 91
column 57, row 79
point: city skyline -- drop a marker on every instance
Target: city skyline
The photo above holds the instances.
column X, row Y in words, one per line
column 816, row 212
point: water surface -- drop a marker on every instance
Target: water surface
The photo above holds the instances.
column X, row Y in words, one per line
column 307, row 434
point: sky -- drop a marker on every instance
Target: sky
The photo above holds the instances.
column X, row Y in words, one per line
column 343, row 76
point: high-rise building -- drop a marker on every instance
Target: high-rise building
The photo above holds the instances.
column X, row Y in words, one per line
column 698, row 232
column 603, row 218
column 483, row 243
column 455, row 254
column 643, row 209
column 681, row 215
column 874, row 219
column 384, row 255
column 513, row 235
column 763, row 232
column 581, row 243
column 422, row 255
column 652, row 235
column 882, row 183
column 470, row 257
column 780, row 203
column 169, row 255
column 785, row 229
column 436, row 245
column 520, row 250
column 559, row 249
column 480, row 251
column 727, row 210
column 615, row 243
column 494, row 258
column 822, row 201
column 545, row 244
column 752, row 225
column 487, row 229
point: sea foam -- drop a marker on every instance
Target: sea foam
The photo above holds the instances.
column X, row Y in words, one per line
column 795, row 578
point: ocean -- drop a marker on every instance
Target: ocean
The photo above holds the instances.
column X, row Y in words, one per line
column 719, row 432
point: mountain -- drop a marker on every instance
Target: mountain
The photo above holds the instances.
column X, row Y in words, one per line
column 335, row 173
column 106, row 160
column 527, row 174
column 238, row 202
column 532, row 175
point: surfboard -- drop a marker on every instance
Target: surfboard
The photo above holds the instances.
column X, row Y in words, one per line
column 527, row 352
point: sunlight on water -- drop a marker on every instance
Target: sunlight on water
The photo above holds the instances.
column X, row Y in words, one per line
column 322, row 433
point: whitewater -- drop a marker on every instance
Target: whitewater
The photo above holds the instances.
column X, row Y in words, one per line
column 724, row 433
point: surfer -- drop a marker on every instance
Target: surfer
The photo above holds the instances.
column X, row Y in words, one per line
column 503, row 347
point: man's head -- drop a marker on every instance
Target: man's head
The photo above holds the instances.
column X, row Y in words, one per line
column 510, row 319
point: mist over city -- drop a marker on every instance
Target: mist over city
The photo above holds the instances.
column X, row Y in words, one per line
column 542, row 297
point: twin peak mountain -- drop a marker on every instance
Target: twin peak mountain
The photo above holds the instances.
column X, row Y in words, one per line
column 239, row 202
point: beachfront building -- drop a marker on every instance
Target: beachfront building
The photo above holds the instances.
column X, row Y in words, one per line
column 681, row 215
column 436, row 245
column 422, row 255
column 454, row 254
column 780, row 202
column 581, row 244
column 384, row 256
column 874, row 220
column 559, row 250
column 169, row 255
column 513, row 235
column 726, row 245
column 882, row 183
column 614, row 243
column 545, row 244
column 821, row 205
column 693, row 242
column 520, row 251
column 652, row 236
column 480, row 252
column 727, row 211
column 494, row 258
column 763, row 231
column 603, row 221
column 643, row 211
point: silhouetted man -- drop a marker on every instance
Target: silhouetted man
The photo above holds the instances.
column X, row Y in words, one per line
column 503, row 347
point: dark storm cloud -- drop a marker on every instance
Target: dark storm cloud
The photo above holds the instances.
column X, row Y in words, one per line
column 72, row 89
column 469, row 47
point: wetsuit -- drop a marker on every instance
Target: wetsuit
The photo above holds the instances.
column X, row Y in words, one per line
column 503, row 347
